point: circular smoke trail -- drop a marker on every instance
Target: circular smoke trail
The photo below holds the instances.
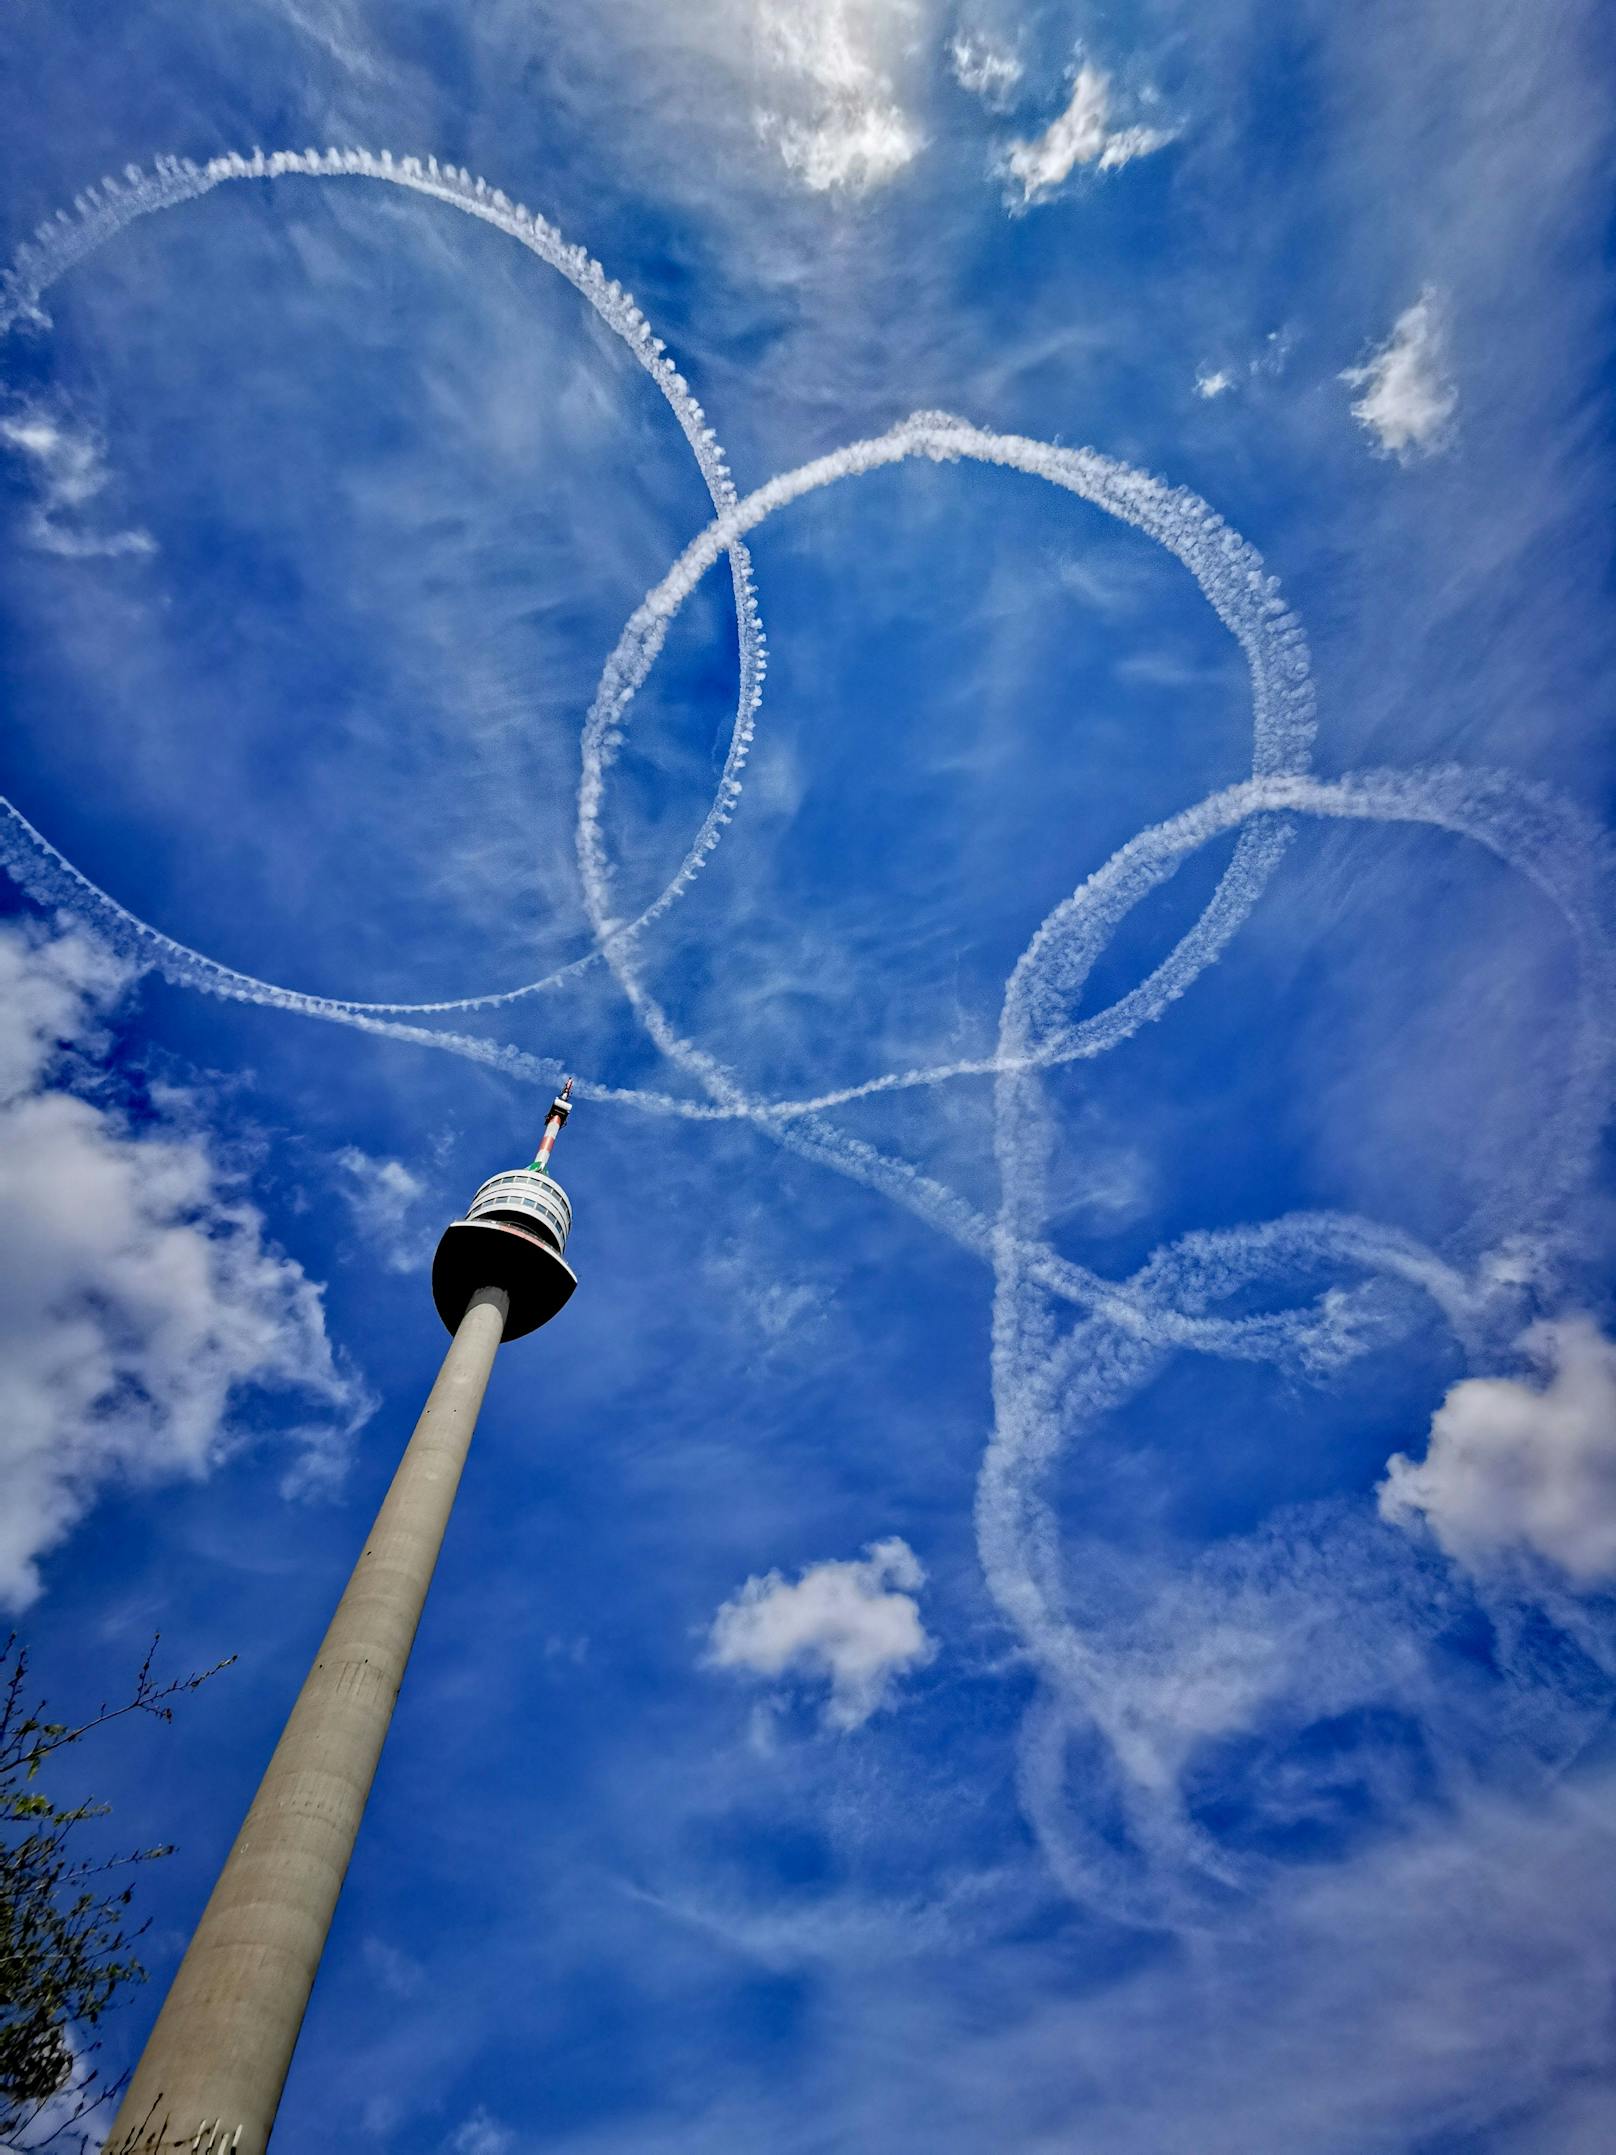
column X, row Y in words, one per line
column 1068, row 1345
column 104, row 211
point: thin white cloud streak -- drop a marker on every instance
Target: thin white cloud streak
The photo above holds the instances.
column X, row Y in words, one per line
column 1515, row 1467
column 141, row 1297
column 853, row 1625
column 1409, row 397
column 1080, row 135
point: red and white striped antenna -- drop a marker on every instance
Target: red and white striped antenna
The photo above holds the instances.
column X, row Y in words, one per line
column 560, row 1109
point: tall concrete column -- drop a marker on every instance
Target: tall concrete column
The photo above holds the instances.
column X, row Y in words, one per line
column 213, row 2070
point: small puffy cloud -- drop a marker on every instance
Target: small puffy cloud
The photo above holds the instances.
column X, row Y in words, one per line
column 139, row 1297
column 1081, row 135
column 855, row 1625
column 1514, row 1466
column 1267, row 364
column 68, row 468
column 1408, row 397
column 987, row 70
column 834, row 114
column 383, row 1196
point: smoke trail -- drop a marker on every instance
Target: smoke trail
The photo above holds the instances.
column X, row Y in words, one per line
column 101, row 213
column 1532, row 830
column 1154, row 1867
column 1229, row 573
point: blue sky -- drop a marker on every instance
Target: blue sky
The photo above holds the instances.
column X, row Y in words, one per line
column 1066, row 1603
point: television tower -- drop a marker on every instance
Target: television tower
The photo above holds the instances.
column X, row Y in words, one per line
column 210, row 2078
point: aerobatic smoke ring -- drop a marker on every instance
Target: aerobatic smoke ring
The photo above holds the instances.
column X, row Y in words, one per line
column 1068, row 1345
column 107, row 210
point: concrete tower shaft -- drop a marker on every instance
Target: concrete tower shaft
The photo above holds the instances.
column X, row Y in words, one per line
column 211, row 2076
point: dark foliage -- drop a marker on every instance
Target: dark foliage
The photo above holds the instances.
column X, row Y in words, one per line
column 66, row 1935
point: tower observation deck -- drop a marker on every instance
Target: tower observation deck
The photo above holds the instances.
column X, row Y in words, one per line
column 512, row 1237
column 210, row 2078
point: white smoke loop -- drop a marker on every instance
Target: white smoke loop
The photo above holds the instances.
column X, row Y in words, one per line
column 104, row 211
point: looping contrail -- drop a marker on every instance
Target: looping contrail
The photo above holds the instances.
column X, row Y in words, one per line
column 104, row 211
column 1068, row 1345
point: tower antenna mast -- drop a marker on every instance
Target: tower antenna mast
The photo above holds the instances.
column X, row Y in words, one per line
column 555, row 1123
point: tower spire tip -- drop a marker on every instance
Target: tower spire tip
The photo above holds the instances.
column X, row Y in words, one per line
column 560, row 1109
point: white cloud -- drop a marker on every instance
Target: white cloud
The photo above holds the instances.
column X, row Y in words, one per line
column 1275, row 355
column 768, row 1305
column 480, row 2134
column 1268, row 364
column 987, row 70
column 382, row 1195
column 138, row 1295
column 835, row 117
column 69, row 470
column 854, row 1624
column 1513, row 1466
column 1081, row 135
column 1409, row 399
